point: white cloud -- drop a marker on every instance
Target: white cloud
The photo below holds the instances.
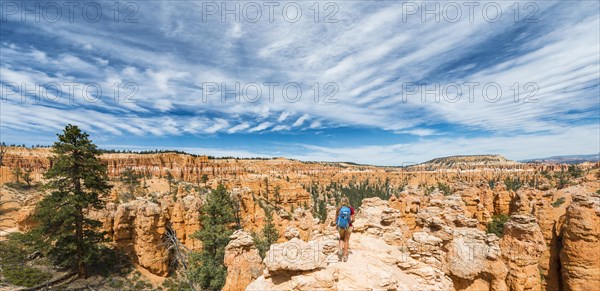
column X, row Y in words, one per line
column 280, row 128
column 163, row 105
column 239, row 127
column 39, row 56
column 217, row 126
column 260, row 127
column 315, row 124
column 514, row 147
column 235, row 31
column 300, row 120
column 419, row 132
column 284, row 115
column 101, row 61
column 368, row 55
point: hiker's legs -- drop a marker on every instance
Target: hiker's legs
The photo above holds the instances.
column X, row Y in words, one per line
column 347, row 240
column 341, row 239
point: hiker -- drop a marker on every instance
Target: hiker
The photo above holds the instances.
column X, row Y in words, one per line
column 345, row 217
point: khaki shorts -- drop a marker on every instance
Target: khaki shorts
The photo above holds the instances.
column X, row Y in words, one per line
column 343, row 232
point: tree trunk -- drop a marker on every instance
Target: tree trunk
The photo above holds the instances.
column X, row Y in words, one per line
column 79, row 226
column 79, row 236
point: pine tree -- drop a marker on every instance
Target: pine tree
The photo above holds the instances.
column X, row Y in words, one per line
column 17, row 172
column 170, row 180
column 267, row 188
column 27, row 177
column 204, row 179
column 3, row 149
column 268, row 236
column 269, row 231
column 76, row 179
column 132, row 181
column 217, row 217
column 322, row 214
column 277, row 194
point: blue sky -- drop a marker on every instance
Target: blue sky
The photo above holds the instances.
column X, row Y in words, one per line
column 374, row 59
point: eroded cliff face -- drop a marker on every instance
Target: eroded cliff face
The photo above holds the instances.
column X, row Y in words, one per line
column 443, row 251
column 425, row 240
column 445, row 254
column 522, row 246
column 580, row 253
column 443, row 244
column 139, row 227
column 550, row 219
column 450, row 240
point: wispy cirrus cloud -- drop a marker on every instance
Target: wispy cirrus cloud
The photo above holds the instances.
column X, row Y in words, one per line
column 364, row 61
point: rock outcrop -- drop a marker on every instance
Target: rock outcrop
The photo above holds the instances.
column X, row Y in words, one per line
column 550, row 219
column 580, row 255
column 522, row 246
column 448, row 252
column 474, row 260
column 372, row 264
column 408, row 203
column 450, row 240
column 242, row 260
column 421, row 238
column 479, row 203
column 294, row 255
column 375, row 217
column 138, row 228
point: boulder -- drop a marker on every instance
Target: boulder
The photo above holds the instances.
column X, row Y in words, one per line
column 242, row 260
column 294, row 255
column 291, row 232
column 473, row 260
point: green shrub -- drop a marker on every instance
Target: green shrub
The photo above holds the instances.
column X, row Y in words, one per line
column 116, row 283
column 261, row 244
column 141, row 285
column 496, row 226
column 445, row 189
column 24, row 276
column 429, row 190
column 492, row 184
column 15, row 265
column 13, row 259
column 175, row 285
column 18, row 185
column 558, row 202
column 11, row 253
column 513, row 184
column 546, row 174
column 563, row 179
column 575, row 171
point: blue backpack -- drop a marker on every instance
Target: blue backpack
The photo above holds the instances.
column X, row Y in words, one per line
column 343, row 219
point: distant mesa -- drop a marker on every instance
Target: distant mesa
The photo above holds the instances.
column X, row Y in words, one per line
column 568, row 159
column 468, row 160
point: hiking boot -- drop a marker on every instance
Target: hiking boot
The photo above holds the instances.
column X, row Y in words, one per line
column 340, row 253
column 345, row 258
